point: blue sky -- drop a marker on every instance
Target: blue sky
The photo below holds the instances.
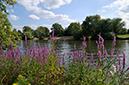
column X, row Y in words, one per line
column 36, row 13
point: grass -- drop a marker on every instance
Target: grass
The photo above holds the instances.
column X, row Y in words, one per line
column 123, row 36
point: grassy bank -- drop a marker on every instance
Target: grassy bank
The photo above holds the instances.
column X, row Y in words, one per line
column 125, row 36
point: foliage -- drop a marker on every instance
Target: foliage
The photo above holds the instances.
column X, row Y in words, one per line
column 42, row 32
column 94, row 25
column 75, row 30
column 41, row 66
column 58, row 29
column 6, row 35
column 27, row 31
column 89, row 25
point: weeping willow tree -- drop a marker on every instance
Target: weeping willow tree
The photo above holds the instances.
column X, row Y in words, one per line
column 6, row 35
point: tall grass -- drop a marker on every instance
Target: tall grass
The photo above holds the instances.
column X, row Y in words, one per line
column 42, row 66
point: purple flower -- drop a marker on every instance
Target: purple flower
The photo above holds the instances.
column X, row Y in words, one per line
column 124, row 60
column 84, row 44
column 91, row 58
column 25, row 40
column 84, row 38
column 99, row 55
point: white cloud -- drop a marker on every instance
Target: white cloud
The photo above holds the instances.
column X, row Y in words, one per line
column 34, row 26
column 14, row 17
column 122, row 7
column 32, row 5
column 101, row 10
column 115, row 3
column 47, row 25
column 17, row 27
column 49, row 4
column 12, row 10
column 102, row 17
column 32, row 16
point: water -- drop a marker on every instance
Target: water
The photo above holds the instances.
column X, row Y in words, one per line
column 65, row 46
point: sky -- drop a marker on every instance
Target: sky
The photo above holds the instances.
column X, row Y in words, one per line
column 45, row 13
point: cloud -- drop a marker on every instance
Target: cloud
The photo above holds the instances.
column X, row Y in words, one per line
column 32, row 16
column 122, row 9
column 49, row 4
column 114, row 4
column 14, row 17
column 17, row 27
column 32, row 5
column 12, row 10
column 102, row 17
column 47, row 25
column 101, row 10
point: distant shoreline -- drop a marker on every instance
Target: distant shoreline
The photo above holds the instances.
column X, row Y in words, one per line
column 59, row 38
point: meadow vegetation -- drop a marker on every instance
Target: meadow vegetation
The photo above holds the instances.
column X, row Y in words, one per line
column 43, row 66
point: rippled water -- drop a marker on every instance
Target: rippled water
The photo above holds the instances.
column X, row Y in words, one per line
column 65, row 46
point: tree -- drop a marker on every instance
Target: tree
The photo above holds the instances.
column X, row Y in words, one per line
column 27, row 31
column 117, row 25
column 42, row 32
column 6, row 35
column 75, row 30
column 58, row 29
column 89, row 25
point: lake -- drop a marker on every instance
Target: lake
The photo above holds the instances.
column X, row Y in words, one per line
column 65, row 46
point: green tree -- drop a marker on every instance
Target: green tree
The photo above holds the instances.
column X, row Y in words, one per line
column 6, row 35
column 89, row 25
column 103, row 28
column 58, row 29
column 27, row 31
column 75, row 30
column 117, row 25
column 42, row 32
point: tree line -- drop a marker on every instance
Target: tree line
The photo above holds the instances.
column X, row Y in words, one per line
column 91, row 26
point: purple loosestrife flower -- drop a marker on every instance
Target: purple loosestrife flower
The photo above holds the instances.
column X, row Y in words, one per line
column 74, row 47
column 45, row 61
column 112, row 52
column 114, row 42
column 117, row 55
column 26, row 40
column 91, row 58
column 84, row 44
column 127, row 69
column 124, row 60
column 99, row 55
column 41, row 64
column 84, row 38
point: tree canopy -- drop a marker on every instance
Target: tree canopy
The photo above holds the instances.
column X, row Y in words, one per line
column 6, row 35
column 42, row 32
column 58, row 29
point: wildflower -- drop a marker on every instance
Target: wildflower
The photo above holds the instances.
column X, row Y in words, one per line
column 99, row 55
column 25, row 40
column 114, row 68
column 20, row 76
column 84, row 44
column 15, row 83
column 91, row 58
column 111, row 73
column 58, row 69
column 29, row 84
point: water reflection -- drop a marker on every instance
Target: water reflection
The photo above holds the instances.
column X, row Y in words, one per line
column 65, row 46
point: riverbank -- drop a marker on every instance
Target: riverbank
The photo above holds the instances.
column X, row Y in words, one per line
column 123, row 37
column 59, row 38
